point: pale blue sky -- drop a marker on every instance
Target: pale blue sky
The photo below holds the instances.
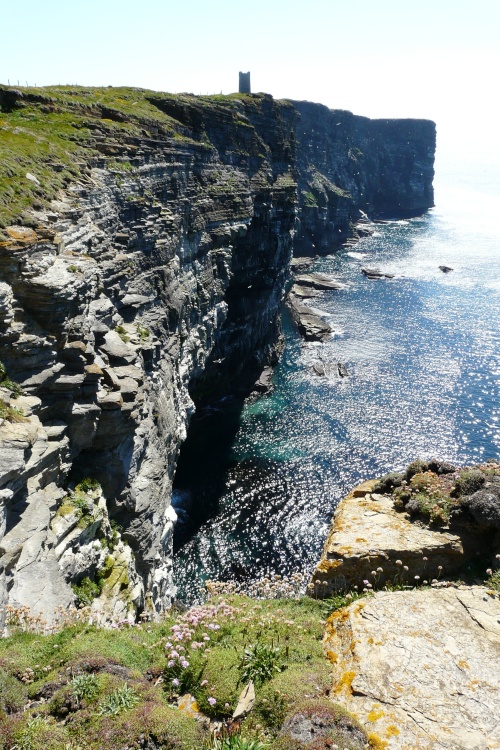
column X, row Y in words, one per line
column 392, row 58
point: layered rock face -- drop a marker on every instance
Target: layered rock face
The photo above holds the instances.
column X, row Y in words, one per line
column 153, row 281
column 175, row 251
column 347, row 164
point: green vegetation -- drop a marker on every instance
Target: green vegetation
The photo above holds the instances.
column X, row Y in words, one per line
column 49, row 133
column 436, row 493
column 6, row 382
column 469, row 482
column 310, row 200
column 493, row 581
column 142, row 332
column 122, row 333
column 122, row 698
column 260, row 662
column 8, row 412
column 85, row 687
column 86, row 591
column 82, row 501
column 111, row 689
column 50, row 136
column 11, row 413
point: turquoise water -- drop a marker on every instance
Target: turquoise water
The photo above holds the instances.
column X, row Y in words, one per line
column 423, row 356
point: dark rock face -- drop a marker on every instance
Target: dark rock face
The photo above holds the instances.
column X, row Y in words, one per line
column 153, row 285
column 484, row 507
column 347, row 164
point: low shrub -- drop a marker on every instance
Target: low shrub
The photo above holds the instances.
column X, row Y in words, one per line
column 260, row 662
column 13, row 693
column 121, row 699
column 468, row 482
column 416, row 467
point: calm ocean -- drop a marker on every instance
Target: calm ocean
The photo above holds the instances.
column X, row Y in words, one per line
column 422, row 352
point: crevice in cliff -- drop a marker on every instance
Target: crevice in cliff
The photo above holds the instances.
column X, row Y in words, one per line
column 204, row 460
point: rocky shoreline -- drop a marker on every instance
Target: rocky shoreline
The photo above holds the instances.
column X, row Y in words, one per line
column 415, row 654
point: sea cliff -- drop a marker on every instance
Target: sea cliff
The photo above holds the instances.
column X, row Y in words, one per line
column 145, row 254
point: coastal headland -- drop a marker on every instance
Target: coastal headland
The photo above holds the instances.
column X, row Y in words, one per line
column 145, row 249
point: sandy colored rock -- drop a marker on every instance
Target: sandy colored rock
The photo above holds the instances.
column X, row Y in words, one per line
column 368, row 533
column 420, row 669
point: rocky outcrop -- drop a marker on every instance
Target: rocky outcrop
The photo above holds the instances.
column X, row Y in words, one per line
column 156, row 281
column 371, row 543
column 148, row 278
column 418, row 668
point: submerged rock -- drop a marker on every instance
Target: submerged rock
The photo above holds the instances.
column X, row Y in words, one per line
column 372, row 273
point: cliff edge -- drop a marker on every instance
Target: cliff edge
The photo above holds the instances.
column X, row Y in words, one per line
column 414, row 649
column 145, row 246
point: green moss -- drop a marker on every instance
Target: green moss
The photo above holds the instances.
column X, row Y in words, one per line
column 86, row 591
column 88, row 485
column 122, row 333
column 310, row 200
column 142, row 332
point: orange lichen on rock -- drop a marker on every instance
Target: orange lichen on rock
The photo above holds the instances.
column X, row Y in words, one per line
column 375, row 714
column 345, row 682
column 375, row 742
column 392, row 731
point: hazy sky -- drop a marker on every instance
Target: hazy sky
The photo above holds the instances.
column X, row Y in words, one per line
column 438, row 59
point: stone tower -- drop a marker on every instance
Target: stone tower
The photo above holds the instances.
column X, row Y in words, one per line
column 245, row 83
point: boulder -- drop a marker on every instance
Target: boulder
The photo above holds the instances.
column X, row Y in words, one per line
column 418, row 668
column 484, row 506
column 372, row 273
column 368, row 533
column 311, row 326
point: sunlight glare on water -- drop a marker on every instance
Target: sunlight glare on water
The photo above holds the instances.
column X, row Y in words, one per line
column 422, row 352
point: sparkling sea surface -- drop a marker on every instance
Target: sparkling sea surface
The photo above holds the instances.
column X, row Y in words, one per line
column 423, row 356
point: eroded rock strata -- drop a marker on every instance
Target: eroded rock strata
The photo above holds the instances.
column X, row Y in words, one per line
column 150, row 278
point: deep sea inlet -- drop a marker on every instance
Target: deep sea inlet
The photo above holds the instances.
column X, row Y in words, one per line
column 422, row 352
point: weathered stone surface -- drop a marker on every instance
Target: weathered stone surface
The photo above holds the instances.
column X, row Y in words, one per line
column 368, row 533
column 311, row 325
column 419, row 669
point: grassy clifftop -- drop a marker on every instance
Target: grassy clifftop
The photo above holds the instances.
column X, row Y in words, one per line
column 49, row 136
column 166, row 685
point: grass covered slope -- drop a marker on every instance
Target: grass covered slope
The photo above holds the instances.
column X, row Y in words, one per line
column 110, row 689
column 50, row 136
